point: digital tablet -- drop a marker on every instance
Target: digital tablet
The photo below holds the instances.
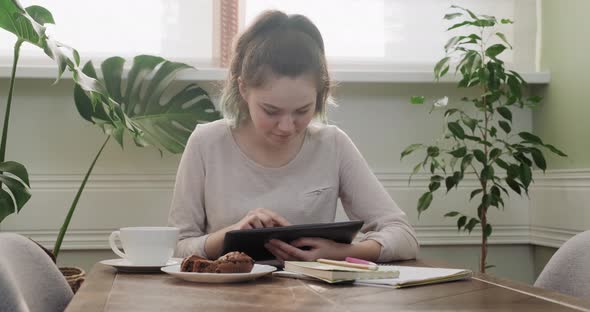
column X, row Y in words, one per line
column 252, row 241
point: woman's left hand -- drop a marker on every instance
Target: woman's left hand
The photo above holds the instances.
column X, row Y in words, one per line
column 315, row 248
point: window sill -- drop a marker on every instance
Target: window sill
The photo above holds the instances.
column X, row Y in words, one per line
column 353, row 76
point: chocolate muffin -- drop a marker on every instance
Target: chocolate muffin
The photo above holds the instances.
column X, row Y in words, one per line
column 233, row 262
column 195, row 263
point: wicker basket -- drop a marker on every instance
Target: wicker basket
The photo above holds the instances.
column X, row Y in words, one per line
column 74, row 276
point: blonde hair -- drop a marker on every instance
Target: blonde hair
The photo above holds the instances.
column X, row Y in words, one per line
column 280, row 44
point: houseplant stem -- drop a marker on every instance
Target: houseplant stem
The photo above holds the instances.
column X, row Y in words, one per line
column 64, row 227
column 9, row 102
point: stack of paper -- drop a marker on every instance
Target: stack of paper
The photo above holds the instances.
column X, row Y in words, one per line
column 414, row 276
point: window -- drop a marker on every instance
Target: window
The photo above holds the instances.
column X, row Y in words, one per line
column 397, row 35
column 402, row 34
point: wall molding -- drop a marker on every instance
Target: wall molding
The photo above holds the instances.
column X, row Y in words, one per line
column 561, row 181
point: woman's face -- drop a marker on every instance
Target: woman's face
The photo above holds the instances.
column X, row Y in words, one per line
column 282, row 108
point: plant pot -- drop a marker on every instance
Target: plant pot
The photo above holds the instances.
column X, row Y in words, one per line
column 74, row 276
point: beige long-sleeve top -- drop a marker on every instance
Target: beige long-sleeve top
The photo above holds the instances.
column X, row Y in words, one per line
column 217, row 184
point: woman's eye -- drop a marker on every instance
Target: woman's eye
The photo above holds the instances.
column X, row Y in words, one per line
column 270, row 113
column 303, row 112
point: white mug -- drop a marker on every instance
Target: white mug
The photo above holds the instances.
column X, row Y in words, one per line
column 146, row 246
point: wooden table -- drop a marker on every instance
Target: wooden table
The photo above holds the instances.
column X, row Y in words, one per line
column 107, row 290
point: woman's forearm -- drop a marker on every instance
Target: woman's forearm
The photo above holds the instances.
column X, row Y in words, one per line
column 214, row 243
column 367, row 250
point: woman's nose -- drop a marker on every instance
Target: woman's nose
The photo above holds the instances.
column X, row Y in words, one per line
column 286, row 124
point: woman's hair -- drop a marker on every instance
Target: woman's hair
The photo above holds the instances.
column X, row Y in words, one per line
column 276, row 44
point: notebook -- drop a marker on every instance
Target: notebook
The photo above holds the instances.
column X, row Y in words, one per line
column 406, row 276
column 416, row 276
column 336, row 274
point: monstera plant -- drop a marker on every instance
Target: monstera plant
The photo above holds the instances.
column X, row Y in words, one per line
column 28, row 26
column 137, row 106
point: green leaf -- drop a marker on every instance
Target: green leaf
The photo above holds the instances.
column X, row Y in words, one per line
column 527, row 136
column 460, row 152
column 433, row 186
column 469, row 122
column 424, row 202
column 451, row 16
column 513, row 185
column 515, row 87
column 457, row 130
column 441, row 67
column 555, row 150
column 149, row 114
column 526, row 175
column 461, row 222
column 450, row 182
column 450, row 112
column 18, row 191
column 17, row 170
column 495, row 153
column 505, row 112
column 474, row 193
column 487, row 173
column 503, row 37
column 416, row 169
column 433, row 151
column 502, row 164
column 495, row 50
column 466, row 162
column 506, row 21
column 410, row 149
column 459, row 25
column 417, row 99
column 29, row 26
column 535, row 99
column 487, row 231
column 538, row 158
column 436, row 178
column 472, row 223
column 451, row 214
column 505, row 126
column 453, row 42
column 480, row 156
column 493, row 132
column 513, row 171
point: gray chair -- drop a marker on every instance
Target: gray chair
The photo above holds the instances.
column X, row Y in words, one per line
column 568, row 271
column 29, row 280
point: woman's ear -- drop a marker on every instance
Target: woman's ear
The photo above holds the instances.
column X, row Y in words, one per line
column 242, row 88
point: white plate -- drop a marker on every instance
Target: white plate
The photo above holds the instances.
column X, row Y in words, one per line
column 257, row 271
column 123, row 265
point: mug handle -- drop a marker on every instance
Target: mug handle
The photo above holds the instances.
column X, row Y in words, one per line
column 112, row 238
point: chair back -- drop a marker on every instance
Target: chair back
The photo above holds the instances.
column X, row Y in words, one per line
column 29, row 280
column 568, row 271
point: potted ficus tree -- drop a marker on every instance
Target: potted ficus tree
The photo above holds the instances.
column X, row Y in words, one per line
column 115, row 103
column 478, row 138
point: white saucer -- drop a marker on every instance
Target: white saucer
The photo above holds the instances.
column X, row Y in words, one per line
column 257, row 271
column 123, row 265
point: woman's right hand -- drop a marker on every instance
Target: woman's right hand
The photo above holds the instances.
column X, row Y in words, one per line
column 260, row 218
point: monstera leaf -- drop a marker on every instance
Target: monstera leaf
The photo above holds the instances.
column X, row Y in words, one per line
column 28, row 26
column 141, row 106
column 15, row 181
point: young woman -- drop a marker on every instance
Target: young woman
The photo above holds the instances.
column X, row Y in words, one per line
column 267, row 164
